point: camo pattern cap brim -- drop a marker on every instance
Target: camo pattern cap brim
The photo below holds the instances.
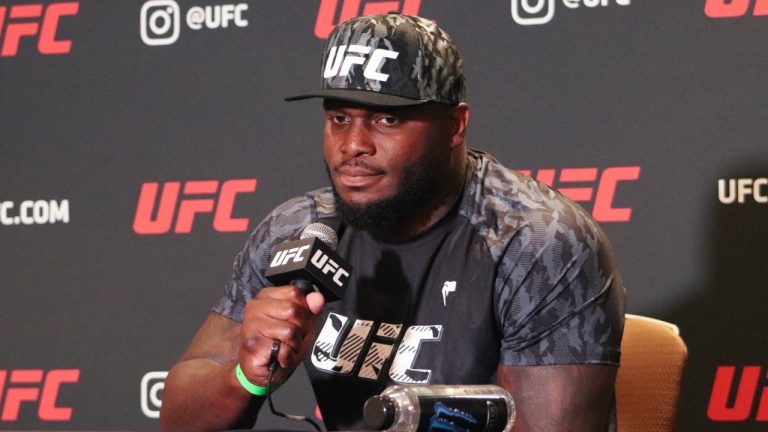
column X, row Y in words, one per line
column 390, row 60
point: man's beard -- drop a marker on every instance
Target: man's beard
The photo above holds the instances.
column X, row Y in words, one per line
column 419, row 183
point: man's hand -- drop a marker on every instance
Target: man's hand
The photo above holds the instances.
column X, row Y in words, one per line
column 281, row 314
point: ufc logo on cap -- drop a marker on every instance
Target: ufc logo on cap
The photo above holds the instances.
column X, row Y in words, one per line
column 341, row 59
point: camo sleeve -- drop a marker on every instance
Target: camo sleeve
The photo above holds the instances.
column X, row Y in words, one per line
column 560, row 295
column 283, row 224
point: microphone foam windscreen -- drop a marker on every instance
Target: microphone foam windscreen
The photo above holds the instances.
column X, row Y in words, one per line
column 322, row 232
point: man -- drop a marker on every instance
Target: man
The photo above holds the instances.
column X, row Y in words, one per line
column 465, row 272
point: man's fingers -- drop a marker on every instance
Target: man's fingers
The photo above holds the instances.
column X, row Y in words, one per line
column 285, row 292
column 277, row 314
column 315, row 302
column 257, row 334
column 257, row 370
column 285, row 307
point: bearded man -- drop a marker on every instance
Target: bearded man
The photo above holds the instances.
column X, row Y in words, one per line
column 465, row 272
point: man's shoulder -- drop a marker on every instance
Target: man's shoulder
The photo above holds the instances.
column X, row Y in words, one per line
column 293, row 215
column 503, row 203
column 508, row 190
column 315, row 203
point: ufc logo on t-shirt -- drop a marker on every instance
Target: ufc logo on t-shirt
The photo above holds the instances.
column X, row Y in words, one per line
column 341, row 355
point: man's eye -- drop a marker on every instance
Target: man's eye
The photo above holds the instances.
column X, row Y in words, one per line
column 338, row 118
column 389, row 120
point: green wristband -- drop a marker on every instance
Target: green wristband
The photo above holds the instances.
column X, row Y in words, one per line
column 249, row 386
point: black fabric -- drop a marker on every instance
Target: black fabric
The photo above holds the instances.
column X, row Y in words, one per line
column 402, row 283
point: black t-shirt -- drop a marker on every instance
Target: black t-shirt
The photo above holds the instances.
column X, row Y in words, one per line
column 431, row 298
column 516, row 274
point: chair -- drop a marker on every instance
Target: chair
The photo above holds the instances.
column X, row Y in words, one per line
column 649, row 378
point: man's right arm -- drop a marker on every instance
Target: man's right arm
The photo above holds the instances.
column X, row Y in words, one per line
column 201, row 391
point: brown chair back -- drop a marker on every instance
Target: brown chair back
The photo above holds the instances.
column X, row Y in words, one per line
column 653, row 357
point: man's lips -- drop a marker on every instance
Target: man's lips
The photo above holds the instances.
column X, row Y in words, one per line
column 357, row 174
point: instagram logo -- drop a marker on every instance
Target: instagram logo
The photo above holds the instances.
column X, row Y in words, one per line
column 152, row 385
column 533, row 12
column 160, row 22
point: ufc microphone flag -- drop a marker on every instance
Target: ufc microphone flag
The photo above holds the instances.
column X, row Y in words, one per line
column 312, row 260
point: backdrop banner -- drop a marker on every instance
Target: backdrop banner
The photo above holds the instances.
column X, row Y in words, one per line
column 142, row 141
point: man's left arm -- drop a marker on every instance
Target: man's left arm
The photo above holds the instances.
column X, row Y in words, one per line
column 561, row 309
column 560, row 398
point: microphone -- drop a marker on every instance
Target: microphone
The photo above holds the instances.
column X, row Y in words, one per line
column 309, row 263
column 311, row 260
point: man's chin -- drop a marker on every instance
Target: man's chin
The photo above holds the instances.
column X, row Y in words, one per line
column 367, row 214
column 358, row 200
column 382, row 206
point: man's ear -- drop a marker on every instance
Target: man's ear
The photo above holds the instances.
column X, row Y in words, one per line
column 459, row 118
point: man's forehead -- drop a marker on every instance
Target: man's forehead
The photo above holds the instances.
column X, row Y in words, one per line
column 336, row 104
column 408, row 110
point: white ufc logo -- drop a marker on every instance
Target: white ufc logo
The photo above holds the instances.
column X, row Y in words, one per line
column 342, row 58
column 341, row 345
column 284, row 256
column 325, row 265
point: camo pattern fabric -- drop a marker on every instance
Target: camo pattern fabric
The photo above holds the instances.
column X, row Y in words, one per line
column 285, row 223
column 558, row 295
column 428, row 65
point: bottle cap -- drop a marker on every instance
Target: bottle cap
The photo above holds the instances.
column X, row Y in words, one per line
column 379, row 412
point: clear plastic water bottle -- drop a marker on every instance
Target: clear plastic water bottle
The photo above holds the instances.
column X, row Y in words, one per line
column 449, row 408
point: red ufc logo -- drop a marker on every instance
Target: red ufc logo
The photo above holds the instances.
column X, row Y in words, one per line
column 188, row 207
column 46, row 42
column 603, row 210
column 351, row 8
column 746, row 391
column 734, row 8
column 30, row 391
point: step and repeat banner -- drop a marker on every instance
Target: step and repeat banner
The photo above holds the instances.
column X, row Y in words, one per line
column 141, row 141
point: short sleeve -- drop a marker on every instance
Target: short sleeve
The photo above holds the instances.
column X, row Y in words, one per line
column 283, row 224
column 560, row 294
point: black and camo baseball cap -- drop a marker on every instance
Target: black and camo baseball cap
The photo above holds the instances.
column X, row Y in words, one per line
column 390, row 60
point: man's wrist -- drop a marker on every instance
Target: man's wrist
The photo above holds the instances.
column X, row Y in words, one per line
column 252, row 388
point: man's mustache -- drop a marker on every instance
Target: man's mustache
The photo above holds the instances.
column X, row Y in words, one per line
column 355, row 162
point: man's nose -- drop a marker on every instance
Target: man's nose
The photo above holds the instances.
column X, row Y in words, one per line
column 358, row 140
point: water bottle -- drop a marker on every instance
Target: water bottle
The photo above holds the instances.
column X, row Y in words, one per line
column 444, row 408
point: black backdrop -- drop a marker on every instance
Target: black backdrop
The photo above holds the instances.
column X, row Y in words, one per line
column 668, row 95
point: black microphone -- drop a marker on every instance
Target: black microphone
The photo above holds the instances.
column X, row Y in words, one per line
column 309, row 262
column 312, row 260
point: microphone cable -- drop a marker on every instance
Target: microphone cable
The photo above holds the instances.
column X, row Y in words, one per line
column 273, row 365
